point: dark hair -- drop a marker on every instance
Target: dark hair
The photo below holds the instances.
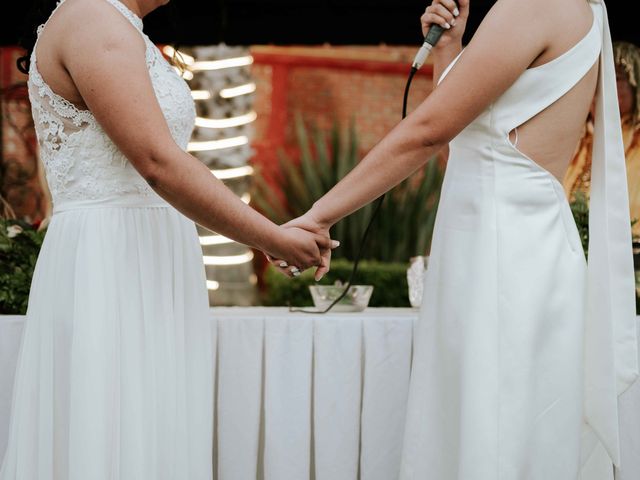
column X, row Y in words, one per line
column 38, row 14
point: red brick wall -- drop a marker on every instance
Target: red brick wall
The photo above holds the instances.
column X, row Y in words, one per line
column 327, row 83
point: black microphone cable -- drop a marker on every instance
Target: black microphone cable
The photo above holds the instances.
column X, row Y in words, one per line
column 374, row 214
column 433, row 35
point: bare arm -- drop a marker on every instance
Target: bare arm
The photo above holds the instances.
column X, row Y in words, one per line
column 508, row 41
column 106, row 60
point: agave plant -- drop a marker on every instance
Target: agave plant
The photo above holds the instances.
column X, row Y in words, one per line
column 404, row 225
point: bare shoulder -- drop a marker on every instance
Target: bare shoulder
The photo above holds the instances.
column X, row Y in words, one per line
column 96, row 26
column 551, row 18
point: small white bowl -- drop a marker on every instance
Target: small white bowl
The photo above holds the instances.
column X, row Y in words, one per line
column 356, row 300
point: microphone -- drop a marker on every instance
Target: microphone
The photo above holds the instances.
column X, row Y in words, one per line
column 433, row 35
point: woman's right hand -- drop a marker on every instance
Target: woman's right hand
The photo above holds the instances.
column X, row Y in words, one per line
column 300, row 249
column 451, row 17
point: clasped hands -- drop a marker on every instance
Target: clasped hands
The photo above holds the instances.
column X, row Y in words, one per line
column 306, row 243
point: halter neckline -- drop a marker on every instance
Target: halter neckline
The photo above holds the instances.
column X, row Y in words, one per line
column 128, row 13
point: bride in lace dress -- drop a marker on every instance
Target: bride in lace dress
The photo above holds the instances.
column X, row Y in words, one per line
column 114, row 377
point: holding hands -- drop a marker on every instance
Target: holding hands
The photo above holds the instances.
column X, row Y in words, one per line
column 305, row 241
column 311, row 226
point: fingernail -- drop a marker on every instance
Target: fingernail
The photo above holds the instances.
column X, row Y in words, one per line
column 447, row 26
column 453, row 22
column 335, row 243
column 456, row 12
column 284, row 264
column 296, row 273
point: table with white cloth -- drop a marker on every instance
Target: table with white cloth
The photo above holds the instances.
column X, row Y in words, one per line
column 310, row 396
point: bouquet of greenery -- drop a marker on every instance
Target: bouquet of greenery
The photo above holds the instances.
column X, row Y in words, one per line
column 20, row 244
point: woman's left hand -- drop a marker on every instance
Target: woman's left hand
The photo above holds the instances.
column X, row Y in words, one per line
column 309, row 223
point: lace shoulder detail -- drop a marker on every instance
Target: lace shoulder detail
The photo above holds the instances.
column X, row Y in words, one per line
column 80, row 160
column 60, row 105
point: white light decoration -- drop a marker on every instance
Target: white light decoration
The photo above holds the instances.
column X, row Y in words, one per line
column 169, row 51
column 201, row 94
column 220, row 80
column 217, row 144
column 186, row 74
column 228, row 259
column 226, row 122
column 237, row 172
column 222, row 64
column 231, row 92
column 214, row 240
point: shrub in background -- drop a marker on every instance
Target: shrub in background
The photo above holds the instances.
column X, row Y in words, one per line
column 20, row 244
column 389, row 281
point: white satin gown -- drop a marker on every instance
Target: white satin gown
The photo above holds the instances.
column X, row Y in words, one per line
column 114, row 379
column 522, row 347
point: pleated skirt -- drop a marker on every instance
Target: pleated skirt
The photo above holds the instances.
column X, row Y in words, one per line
column 115, row 371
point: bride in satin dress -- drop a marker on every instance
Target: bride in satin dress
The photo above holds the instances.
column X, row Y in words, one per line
column 115, row 372
column 523, row 346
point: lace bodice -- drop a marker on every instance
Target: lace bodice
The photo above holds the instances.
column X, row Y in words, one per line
column 81, row 161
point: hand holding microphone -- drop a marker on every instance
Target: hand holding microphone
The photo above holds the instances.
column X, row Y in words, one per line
column 443, row 24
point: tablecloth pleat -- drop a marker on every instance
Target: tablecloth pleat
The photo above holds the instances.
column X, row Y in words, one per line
column 240, row 355
column 287, row 399
column 387, row 357
column 337, row 397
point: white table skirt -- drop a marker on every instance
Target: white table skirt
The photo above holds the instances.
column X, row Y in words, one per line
column 308, row 396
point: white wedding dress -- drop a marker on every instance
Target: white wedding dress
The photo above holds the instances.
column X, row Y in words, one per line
column 114, row 378
column 522, row 347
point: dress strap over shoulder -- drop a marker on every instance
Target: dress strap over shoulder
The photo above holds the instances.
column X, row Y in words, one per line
column 551, row 80
column 611, row 356
column 135, row 20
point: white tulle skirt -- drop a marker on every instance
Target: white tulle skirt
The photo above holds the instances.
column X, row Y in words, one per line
column 115, row 378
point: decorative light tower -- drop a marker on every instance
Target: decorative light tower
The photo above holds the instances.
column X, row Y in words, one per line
column 221, row 85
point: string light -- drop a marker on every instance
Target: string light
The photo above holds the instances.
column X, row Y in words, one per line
column 228, row 259
column 215, row 240
column 200, row 94
column 217, row 144
column 210, row 241
column 169, row 51
column 226, row 122
column 186, row 74
column 220, row 64
column 237, row 91
column 237, row 172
